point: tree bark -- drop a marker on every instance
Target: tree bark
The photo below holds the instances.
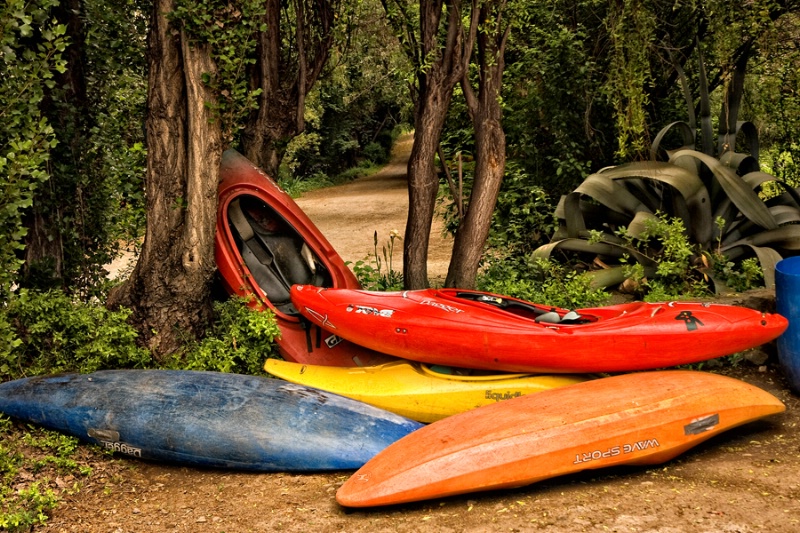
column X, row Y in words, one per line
column 286, row 77
column 423, row 185
column 169, row 289
column 490, row 147
column 443, row 63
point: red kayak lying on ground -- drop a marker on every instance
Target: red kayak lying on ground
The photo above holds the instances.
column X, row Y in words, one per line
column 264, row 243
column 480, row 330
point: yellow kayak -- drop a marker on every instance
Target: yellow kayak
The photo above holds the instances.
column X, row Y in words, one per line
column 416, row 390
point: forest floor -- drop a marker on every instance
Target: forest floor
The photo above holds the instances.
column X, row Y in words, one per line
column 745, row 480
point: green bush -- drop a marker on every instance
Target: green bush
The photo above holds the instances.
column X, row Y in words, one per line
column 239, row 341
column 375, row 153
column 48, row 332
column 541, row 281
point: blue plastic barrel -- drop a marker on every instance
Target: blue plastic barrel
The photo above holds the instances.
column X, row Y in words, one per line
column 787, row 297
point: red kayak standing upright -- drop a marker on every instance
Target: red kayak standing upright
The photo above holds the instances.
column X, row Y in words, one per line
column 264, row 243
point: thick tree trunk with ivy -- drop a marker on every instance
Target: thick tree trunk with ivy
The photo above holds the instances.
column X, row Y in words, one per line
column 441, row 63
column 285, row 75
column 169, row 289
column 490, row 147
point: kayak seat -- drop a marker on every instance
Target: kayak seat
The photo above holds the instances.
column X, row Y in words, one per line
column 525, row 309
column 550, row 317
column 275, row 255
column 570, row 317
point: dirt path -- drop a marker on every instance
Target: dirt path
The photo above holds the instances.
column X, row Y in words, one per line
column 349, row 215
column 746, row 480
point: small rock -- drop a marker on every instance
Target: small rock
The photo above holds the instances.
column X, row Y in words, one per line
column 201, row 519
column 762, row 368
column 136, row 510
column 756, row 356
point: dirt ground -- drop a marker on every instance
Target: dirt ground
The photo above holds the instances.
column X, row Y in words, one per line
column 745, row 480
column 349, row 215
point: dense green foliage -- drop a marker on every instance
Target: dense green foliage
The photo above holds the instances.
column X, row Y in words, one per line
column 358, row 108
column 31, row 53
column 587, row 86
column 94, row 194
column 240, row 340
column 49, row 332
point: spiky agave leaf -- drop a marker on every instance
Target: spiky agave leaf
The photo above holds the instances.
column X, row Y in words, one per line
column 695, row 187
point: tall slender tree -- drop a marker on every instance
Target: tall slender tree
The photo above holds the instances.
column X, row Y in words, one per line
column 485, row 111
column 440, row 48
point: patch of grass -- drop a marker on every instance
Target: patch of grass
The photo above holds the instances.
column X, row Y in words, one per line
column 38, row 467
column 297, row 187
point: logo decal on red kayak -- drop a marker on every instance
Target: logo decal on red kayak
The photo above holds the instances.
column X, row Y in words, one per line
column 319, row 317
column 690, row 320
column 440, row 305
column 333, row 341
column 366, row 310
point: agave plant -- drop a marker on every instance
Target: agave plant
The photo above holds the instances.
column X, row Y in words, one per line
column 716, row 198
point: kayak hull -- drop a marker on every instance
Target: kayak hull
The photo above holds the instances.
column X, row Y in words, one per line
column 632, row 419
column 263, row 267
column 478, row 330
column 207, row 419
column 418, row 391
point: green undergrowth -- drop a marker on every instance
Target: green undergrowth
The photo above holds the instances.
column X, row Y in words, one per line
column 297, row 187
column 541, row 281
column 239, row 341
column 49, row 333
column 377, row 272
column 39, row 468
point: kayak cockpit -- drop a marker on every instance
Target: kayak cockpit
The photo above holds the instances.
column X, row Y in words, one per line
column 538, row 313
column 273, row 251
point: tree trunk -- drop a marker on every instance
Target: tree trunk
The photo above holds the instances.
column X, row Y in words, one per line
column 423, row 185
column 445, row 63
column 470, row 239
column 169, row 289
column 65, row 105
column 286, row 78
column 490, row 148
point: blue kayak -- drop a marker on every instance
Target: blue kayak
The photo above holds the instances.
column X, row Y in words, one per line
column 207, row 418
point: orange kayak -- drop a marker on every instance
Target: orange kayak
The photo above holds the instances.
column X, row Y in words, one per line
column 472, row 329
column 631, row 419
